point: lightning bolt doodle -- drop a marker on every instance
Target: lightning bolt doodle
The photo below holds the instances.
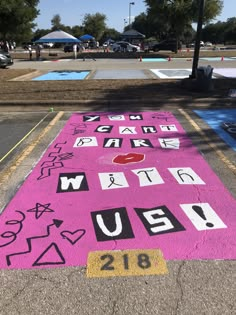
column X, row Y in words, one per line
column 51, row 163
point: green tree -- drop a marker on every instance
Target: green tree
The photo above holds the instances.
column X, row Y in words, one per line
column 212, row 8
column 77, row 31
column 174, row 17
column 214, row 32
column 109, row 33
column 230, row 31
column 220, row 32
column 40, row 33
column 171, row 17
column 94, row 24
column 16, row 18
column 141, row 24
column 57, row 25
column 56, row 22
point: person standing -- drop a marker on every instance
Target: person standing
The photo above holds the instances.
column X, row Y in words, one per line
column 30, row 52
column 75, row 50
column 38, row 51
column 6, row 46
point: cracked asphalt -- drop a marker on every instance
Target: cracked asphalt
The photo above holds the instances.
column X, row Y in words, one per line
column 191, row 287
column 204, row 287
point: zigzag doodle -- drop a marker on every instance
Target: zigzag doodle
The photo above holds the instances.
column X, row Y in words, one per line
column 57, row 223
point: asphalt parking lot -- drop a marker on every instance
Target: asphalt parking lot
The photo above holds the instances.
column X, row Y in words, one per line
column 88, row 62
column 192, row 285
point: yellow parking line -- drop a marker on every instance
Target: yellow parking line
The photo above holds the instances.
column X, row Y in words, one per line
column 18, row 143
column 220, row 154
column 20, row 158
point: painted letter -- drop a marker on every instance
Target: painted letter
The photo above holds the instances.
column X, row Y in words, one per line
column 104, row 229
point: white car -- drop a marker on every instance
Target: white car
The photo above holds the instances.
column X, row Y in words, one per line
column 108, row 43
column 125, row 46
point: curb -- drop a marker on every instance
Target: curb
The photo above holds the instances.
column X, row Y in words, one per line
column 116, row 104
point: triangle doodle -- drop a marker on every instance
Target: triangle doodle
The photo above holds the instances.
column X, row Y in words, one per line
column 50, row 256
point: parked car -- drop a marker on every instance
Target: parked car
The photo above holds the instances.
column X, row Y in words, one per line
column 108, row 43
column 125, row 46
column 91, row 44
column 167, row 45
column 192, row 45
column 202, row 43
column 27, row 45
column 148, row 46
column 5, row 59
column 69, row 48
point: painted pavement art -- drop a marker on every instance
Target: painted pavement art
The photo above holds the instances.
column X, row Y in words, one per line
column 223, row 122
column 117, row 182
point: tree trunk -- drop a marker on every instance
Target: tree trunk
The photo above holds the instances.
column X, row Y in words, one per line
column 198, row 39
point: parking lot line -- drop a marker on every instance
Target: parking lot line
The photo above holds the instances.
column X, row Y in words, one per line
column 19, row 142
column 20, row 158
column 220, row 154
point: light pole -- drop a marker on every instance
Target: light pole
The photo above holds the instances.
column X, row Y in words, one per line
column 131, row 3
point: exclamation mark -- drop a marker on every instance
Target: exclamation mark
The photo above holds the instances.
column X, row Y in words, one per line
column 201, row 214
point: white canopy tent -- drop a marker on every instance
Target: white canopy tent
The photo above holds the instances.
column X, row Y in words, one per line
column 58, row 37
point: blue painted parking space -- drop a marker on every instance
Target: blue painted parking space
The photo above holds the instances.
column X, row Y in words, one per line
column 223, row 122
column 62, row 75
column 216, row 58
column 154, row 59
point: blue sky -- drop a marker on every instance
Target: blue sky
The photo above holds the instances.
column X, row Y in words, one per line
column 73, row 11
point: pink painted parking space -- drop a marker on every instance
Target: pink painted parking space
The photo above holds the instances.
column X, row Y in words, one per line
column 118, row 181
